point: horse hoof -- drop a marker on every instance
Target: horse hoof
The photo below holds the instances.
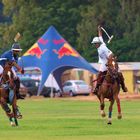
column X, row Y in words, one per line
column 13, row 124
column 119, row 116
column 103, row 113
column 109, row 123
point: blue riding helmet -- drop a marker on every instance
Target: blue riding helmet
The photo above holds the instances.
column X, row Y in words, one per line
column 16, row 47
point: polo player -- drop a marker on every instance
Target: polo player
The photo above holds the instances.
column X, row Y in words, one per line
column 12, row 57
column 104, row 54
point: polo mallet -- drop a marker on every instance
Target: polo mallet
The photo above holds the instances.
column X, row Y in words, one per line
column 17, row 37
column 109, row 37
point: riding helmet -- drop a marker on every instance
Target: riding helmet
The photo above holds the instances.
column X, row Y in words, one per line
column 96, row 40
column 16, row 47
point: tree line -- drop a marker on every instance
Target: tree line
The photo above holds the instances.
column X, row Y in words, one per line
column 76, row 21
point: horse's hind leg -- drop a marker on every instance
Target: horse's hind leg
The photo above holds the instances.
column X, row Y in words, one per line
column 118, row 106
column 6, row 108
column 7, row 111
column 102, row 105
column 110, row 112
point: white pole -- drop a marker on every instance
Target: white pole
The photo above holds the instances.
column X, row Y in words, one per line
column 52, row 86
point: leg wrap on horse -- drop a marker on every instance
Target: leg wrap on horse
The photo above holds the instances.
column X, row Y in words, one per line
column 121, row 78
column 109, row 114
column 5, row 107
column 18, row 114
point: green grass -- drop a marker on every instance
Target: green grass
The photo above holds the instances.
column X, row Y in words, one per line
column 63, row 119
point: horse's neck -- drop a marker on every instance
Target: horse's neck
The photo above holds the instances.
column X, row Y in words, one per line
column 111, row 78
column 6, row 77
column 108, row 78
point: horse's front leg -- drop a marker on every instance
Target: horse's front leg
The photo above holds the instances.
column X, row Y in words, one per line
column 15, row 109
column 5, row 107
column 102, row 105
column 118, row 106
column 110, row 112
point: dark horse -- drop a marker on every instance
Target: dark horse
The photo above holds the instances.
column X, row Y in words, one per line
column 110, row 89
column 8, row 94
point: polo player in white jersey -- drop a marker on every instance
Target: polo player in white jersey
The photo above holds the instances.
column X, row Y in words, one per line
column 104, row 54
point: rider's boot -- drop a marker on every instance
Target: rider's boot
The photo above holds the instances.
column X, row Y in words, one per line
column 18, row 113
column 100, row 80
column 124, row 88
column 18, row 95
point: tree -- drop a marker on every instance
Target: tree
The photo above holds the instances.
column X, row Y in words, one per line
column 122, row 20
column 32, row 18
column 96, row 14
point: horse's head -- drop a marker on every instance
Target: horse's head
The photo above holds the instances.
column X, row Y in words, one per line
column 8, row 66
column 112, row 64
column 7, row 75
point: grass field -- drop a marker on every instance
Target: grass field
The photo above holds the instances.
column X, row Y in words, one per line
column 64, row 119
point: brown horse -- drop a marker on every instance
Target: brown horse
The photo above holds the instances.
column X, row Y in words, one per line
column 110, row 89
column 7, row 91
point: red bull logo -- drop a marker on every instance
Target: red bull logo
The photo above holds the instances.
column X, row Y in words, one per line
column 35, row 51
column 67, row 50
column 58, row 41
column 43, row 41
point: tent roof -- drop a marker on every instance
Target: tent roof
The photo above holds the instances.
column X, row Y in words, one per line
column 53, row 54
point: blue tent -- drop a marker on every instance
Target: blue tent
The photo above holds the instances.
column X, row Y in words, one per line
column 53, row 54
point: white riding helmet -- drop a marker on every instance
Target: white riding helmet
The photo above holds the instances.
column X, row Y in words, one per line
column 96, row 40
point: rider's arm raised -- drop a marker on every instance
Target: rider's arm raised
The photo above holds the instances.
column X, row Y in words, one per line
column 99, row 31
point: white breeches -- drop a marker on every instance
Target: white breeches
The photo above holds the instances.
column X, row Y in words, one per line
column 103, row 68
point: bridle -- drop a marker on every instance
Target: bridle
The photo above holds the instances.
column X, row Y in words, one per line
column 112, row 69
